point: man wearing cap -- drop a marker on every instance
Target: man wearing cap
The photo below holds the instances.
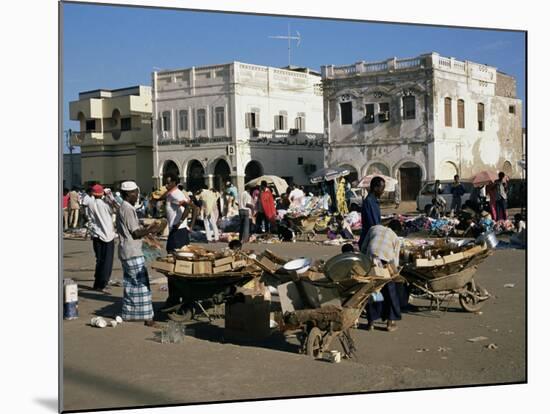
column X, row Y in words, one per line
column 137, row 302
column 103, row 237
column 178, row 206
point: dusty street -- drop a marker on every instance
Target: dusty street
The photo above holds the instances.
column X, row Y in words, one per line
column 128, row 366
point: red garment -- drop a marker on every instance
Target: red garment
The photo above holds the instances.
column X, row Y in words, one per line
column 66, row 201
column 492, row 193
column 268, row 205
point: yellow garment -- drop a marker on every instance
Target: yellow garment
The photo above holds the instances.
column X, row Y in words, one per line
column 341, row 197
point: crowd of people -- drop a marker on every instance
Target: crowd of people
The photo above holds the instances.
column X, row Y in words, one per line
column 106, row 214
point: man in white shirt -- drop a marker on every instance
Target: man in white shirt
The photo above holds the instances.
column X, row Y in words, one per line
column 208, row 199
column 245, row 211
column 103, row 234
column 178, row 205
column 296, row 197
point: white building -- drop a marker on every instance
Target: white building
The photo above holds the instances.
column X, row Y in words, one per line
column 114, row 135
column 236, row 121
column 428, row 117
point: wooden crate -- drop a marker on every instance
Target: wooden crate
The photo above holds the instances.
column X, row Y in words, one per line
column 202, row 267
column 223, row 261
column 184, row 266
column 162, row 265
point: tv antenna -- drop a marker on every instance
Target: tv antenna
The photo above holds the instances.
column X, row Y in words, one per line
column 289, row 38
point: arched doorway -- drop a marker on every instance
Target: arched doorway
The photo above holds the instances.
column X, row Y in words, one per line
column 222, row 174
column 195, row 176
column 253, row 170
column 447, row 171
column 378, row 168
column 410, row 176
column 507, row 168
column 170, row 167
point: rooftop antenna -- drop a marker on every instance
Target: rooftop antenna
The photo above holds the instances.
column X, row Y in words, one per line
column 289, row 38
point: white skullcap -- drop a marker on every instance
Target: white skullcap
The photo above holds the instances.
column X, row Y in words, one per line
column 128, row 186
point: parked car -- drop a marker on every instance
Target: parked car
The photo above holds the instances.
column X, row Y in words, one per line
column 424, row 198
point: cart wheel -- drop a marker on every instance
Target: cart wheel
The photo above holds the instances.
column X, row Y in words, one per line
column 470, row 301
column 183, row 314
column 310, row 236
column 314, row 343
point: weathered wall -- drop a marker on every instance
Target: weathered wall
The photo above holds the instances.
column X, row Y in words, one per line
column 390, row 143
column 468, row 150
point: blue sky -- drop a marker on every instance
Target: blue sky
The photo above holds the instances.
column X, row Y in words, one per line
column 113, row 47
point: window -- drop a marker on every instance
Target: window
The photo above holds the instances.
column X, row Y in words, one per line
column 90, row 125
column 252, row 119
column 345, row 113
column 220, row 117
column 201, row 119
column 184, row 120
column 125, row 124
column 460, row 113
column 512, row 109
column 383, row 112
column 448, row 112
column 166, row 121
column 281, row 121
column 301, row 121
column 480, row 117
column 369, row 113
column 300, row 161
column 409, row 107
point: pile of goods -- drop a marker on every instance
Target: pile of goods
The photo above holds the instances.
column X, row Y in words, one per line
column 438, row 257
column 197, row 261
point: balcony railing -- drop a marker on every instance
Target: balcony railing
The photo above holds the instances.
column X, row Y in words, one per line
column 286, row 138
column 193, row 142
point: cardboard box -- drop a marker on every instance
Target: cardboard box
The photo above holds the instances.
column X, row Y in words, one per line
column 221, row 269
column 380, row 272
column 165, row 266
column 223, row 261
column 247, row 321
column 184, row 266
column 203, row 267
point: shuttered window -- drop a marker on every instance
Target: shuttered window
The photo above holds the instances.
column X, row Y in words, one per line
column 448, row 112
column 345, row 113
column 369, row 113
column 409, row 107
column 460, row 113
column 480, row 117
column 201, row 119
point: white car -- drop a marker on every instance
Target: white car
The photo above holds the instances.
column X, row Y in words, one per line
column 425, row 196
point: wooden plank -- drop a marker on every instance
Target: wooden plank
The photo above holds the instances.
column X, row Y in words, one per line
column 221, row 269
column 268, row 264
column 423, row 263
column 473, row 251
column 452, row 258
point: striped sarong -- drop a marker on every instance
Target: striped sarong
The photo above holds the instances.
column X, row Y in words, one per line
column 137, row 303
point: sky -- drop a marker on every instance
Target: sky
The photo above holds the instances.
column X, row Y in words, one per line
column 114, row 47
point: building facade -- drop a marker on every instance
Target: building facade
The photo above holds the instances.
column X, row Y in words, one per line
column 115, row 136
column 71, row 171
column 235, row 122
column 423, row 118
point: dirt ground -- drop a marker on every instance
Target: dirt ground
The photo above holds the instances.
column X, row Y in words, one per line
column 128, row 366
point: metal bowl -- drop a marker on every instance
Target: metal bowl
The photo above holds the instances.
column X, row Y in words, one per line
column 340, row 267
column 488, row 238
column 300, row 265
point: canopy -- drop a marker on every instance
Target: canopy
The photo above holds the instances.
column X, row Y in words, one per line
column 279, row 183
column 390, row 182
column 484, row 177
column 328, row 174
